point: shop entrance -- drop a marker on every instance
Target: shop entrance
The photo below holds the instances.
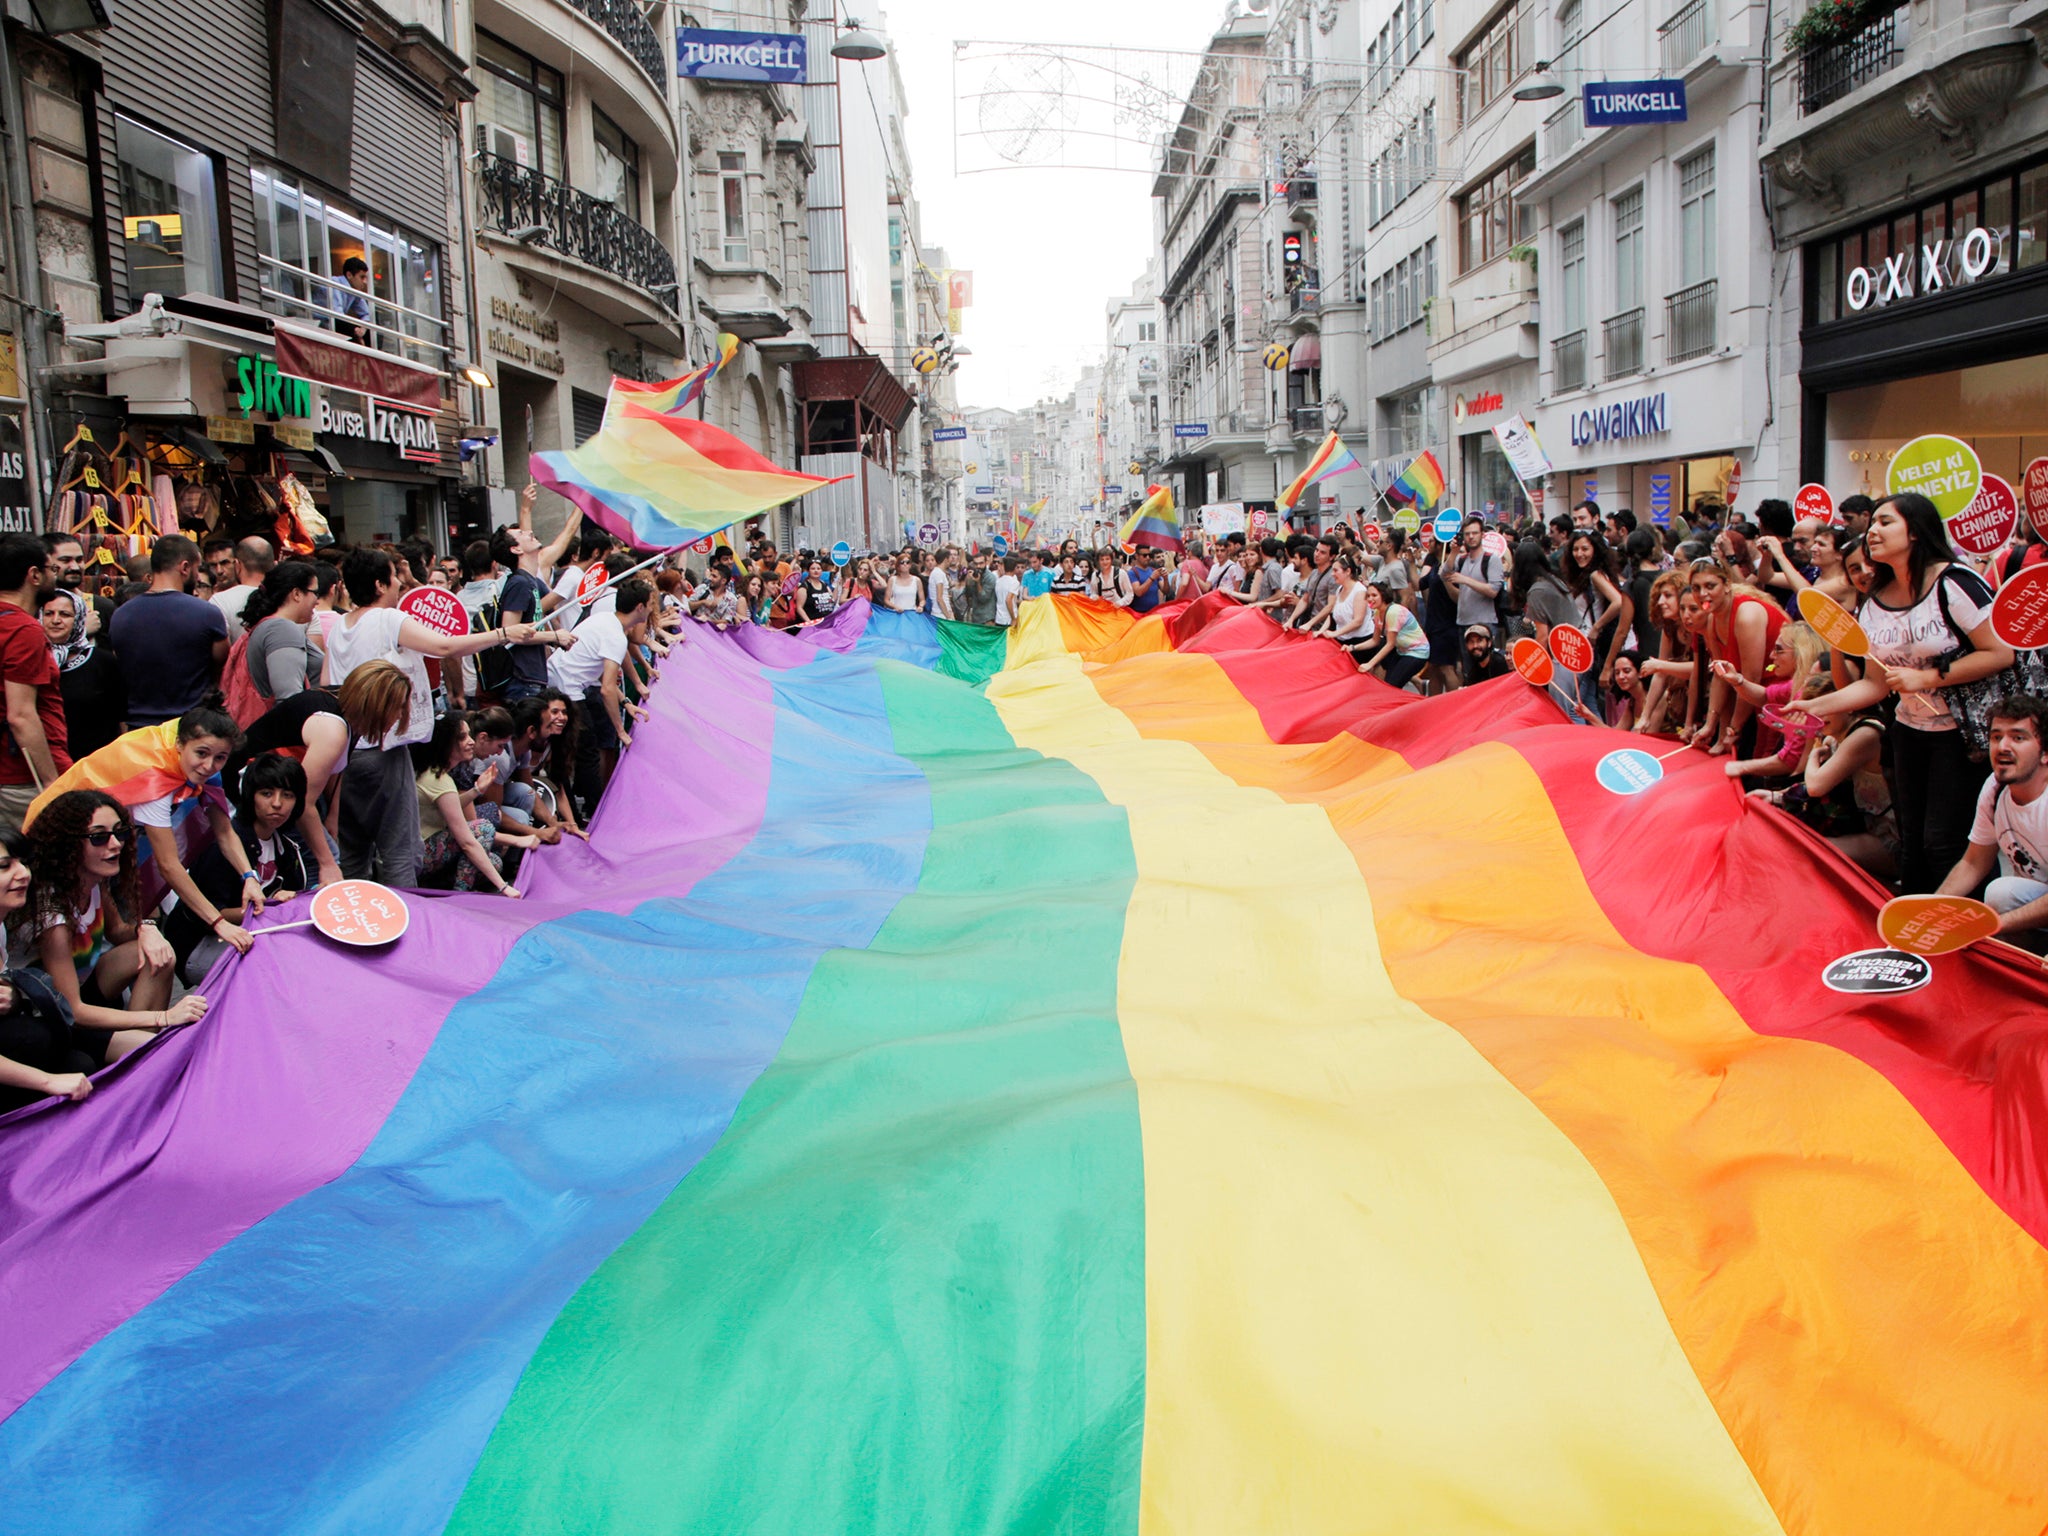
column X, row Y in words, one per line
column 1999, row 409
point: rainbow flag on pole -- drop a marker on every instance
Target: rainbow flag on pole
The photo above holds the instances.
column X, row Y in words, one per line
column 1155, row 525
column 673, row 396
column 1332, row 458
column 658, row 479
column 1420, row 485
column 1027, row 520
column 1094, row 1076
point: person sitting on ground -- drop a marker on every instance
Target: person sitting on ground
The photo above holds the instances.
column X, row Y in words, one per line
column 538, row 725
column 2010, row 833
column 80, row 924
column 269, row 795
column 1482, row 661
column 1626, row 706
column 41, row 1056
column 1403, row 649
column 1782, row 740
column 451, row 844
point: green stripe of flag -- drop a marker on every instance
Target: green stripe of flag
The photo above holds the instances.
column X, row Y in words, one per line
column 906, row 1290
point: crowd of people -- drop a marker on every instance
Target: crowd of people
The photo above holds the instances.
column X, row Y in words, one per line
column 294, row 716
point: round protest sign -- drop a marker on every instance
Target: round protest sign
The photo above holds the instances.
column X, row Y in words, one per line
column 841, row 552
column 1941, row 468
column 1877, row 970
column 1734, row 484
column 360, row 912
column 703, row 547
column 2019, row 614
column 1370, row 533
column 999, row 544
column 1835, row 624
column 928, row 535
column 1494, row 543
column 1532, row 661
column 1814, row 501
column 437, row 608
column 1408, row 520
column 1447, row 524
column 1628, row 771
column 593, row 582
column 1935, row 925
column 1987, row 524
column 2034, row 493
column 1574, row 652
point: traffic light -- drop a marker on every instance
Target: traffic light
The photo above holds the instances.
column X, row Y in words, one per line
column 1290, row 250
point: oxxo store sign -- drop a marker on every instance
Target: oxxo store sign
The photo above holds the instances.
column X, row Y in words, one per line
column 371, row 420
column 1943, row 264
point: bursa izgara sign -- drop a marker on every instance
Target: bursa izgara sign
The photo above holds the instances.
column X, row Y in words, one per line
column 704, row 54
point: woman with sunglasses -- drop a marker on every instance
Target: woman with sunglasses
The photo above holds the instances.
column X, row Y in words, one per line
column 81, row 925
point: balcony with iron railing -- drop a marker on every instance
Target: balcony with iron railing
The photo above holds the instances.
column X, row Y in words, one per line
column 1305, row 420
column 1568, row 362
column 1563, row 131
column 1689, row 316
column 1685, row 37
column 542, row 212
column 301, row 294
column 626, row 24
column 1621, row 342
column 1830, row 71
column 1301, row 189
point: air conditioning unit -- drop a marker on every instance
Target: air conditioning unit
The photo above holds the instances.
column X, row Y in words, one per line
column 496, row 139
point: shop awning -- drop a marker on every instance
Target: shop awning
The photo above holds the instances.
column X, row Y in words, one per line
column 1307, row 353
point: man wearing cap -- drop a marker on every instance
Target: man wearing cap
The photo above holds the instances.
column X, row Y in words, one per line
column 1481, row 661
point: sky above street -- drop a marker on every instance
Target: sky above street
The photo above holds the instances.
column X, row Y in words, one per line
column 1048, row 246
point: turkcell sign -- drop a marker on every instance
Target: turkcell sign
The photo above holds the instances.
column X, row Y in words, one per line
column 702, row 54
column 1620, row 103
column 1640, row 417
column 1191, row 429
column 948, row 434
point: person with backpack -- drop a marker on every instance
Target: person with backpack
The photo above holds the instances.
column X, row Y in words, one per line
column 1477, row 578
column 519, row 559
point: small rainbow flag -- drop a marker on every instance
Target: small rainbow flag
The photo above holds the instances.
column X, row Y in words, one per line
column 1332, row 458
column 1027, row 520
column 1155, row 525
column 1420, row 485
column 671, row 397
column 660, row 480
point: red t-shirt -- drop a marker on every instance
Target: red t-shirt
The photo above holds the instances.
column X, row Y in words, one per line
column 25, row 658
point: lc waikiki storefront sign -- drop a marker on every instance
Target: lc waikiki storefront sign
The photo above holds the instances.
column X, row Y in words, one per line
column 1643, row 416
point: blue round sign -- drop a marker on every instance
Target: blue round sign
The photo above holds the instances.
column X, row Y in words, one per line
column 1000, row 544
column 1629, row 771
column 1447, row 524
column 841, row 552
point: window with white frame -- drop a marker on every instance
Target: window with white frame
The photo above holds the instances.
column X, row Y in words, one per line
column 1628, row 251
column 1571, row 277
column 305, row 238
column 1696, row 237
column 618, row 166
column 732, row 205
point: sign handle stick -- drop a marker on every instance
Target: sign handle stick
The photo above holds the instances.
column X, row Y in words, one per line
column 257, row 933
column 577, row 602
column 1674, row 752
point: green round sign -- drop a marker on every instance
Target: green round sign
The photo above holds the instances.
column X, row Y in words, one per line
column 1943, row 469
column 1407, row 519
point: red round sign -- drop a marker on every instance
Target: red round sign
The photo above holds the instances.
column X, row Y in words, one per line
column 1734, row 484
column 1986, row 525
column 360, row 912
column 2019, row 614
column 2034, row 491
column 1371, row 533
column 1814, row 501
column 703, row 547
column 592, row 583
column 1574, row 652
column 437, row 608
column 1532, row 661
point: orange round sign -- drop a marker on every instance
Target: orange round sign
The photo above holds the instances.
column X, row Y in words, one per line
column 1935, row 925
column 2019, row 614
column 1833, row 623
column 1574, row 652
column 1532, row 661
column 360, row 912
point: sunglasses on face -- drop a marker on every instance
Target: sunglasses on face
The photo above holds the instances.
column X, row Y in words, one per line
column 99, row 837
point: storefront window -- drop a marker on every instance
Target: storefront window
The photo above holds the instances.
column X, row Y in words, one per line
column 519, row 105
column 170, row 213
column 1490, row 485
column 2032, row 243
column 305, row 239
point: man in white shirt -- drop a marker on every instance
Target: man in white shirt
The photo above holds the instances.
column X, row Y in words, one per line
column 592, row 671
column 254, row 559
column 593, row 547
column 379, row 828
column 944, row 577
column 2010, row 837
column 1009, row 591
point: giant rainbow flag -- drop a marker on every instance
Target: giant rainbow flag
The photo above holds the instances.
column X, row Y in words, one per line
column 1111, row 1075
column 659, row 479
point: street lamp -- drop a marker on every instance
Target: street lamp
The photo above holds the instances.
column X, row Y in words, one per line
column 858, row 44
column 1539, row 89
